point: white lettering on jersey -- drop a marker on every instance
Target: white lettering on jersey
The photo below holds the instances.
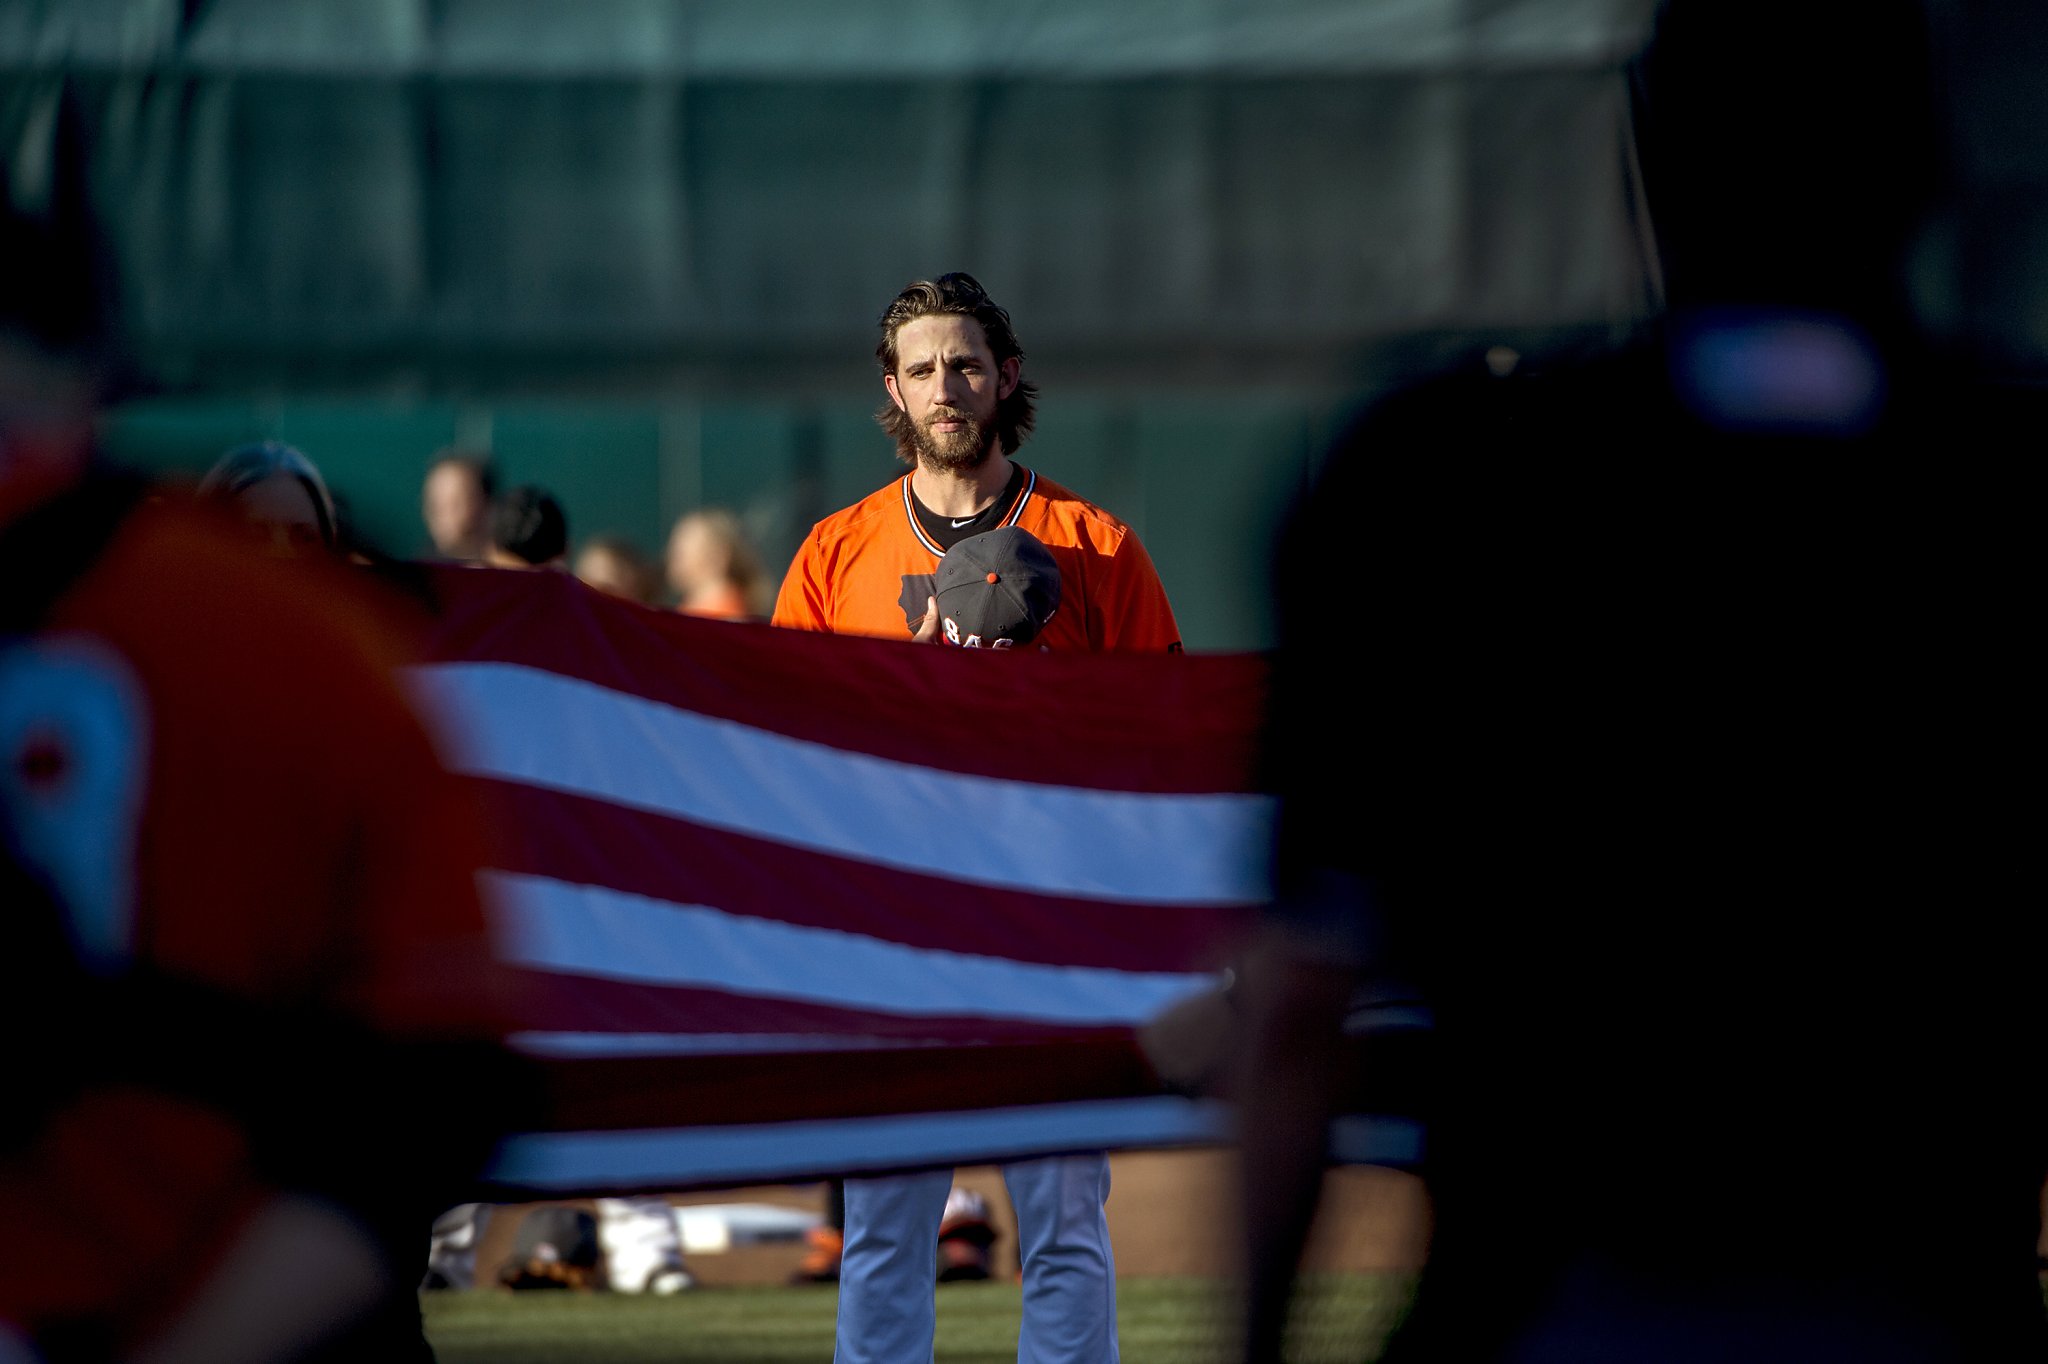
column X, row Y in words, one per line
column 73, row 762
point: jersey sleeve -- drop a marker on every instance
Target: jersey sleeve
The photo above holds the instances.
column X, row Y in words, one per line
column 1132, row 610
column 801, row 602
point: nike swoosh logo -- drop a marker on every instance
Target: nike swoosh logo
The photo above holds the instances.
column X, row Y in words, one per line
column 968, row 522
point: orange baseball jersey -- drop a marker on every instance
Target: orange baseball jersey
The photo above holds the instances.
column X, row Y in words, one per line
column 211, row 761
column 867, row 570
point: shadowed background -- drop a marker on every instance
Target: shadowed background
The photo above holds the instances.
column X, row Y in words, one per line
column 636, row 249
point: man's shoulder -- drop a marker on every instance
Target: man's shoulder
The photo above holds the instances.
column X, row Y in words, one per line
column 862, row 518
column 1058, row 515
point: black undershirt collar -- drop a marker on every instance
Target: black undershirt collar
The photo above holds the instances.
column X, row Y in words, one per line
column 947, row 532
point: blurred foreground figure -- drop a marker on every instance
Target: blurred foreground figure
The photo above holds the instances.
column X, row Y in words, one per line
column 1666, row 731
column 247, row 951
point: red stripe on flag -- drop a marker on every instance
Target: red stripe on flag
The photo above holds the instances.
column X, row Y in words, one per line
column 557, row 1002
column 712, row 1091
column 1141, row 724
column 592, row 842
column 1127, row 722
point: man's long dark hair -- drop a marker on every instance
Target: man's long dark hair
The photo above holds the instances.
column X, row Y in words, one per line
column 961, row 294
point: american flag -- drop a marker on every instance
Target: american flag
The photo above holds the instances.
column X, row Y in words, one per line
column 788, row 905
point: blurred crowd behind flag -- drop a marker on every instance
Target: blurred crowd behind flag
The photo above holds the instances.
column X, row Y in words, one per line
column 634, row 249
column 787, row 905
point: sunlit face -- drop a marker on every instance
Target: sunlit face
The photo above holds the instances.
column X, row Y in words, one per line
column 280, row 509
column 696, row 558
column 607, row 572
column 948, row 382
column 456, row 512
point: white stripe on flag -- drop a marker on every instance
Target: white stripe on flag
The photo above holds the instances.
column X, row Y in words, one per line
column 591, row 1045
column 596, row 931
column 669, row 1157
column 570, row 1160
column 520, row 724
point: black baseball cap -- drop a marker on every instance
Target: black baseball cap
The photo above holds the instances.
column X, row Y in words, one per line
column 997, row 589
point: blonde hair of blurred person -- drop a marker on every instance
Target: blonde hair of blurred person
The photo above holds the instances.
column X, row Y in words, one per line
column 455, row 504
column 279, row 494
column 714, row 567
column 613, row 564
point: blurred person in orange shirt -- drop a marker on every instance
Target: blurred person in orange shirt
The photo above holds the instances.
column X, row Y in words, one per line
column 250, row 947
column 714, row 567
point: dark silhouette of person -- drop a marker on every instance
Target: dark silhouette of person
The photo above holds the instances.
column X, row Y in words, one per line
column 1661, row 713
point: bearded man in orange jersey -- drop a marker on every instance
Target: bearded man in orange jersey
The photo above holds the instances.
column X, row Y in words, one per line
column 959, row 407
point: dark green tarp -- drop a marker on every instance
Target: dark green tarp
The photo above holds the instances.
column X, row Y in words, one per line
column 636, row 247
column 494, row 193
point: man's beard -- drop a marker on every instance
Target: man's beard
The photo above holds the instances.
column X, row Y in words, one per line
column 953, row 451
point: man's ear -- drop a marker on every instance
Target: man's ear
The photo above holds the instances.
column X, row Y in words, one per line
column 889, row 382
column 1013, row 369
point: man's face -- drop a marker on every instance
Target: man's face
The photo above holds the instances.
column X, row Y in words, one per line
column 456, row 512
column 947, row 382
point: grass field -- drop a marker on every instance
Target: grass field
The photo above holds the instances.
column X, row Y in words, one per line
column 1341, row 1319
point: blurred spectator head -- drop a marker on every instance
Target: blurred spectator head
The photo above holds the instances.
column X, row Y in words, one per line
column 612, row 563
column 529, row 529
column 956, row 294
column 1789, row 154
column 455, row 503
column 279, row 493
column 713, row 566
